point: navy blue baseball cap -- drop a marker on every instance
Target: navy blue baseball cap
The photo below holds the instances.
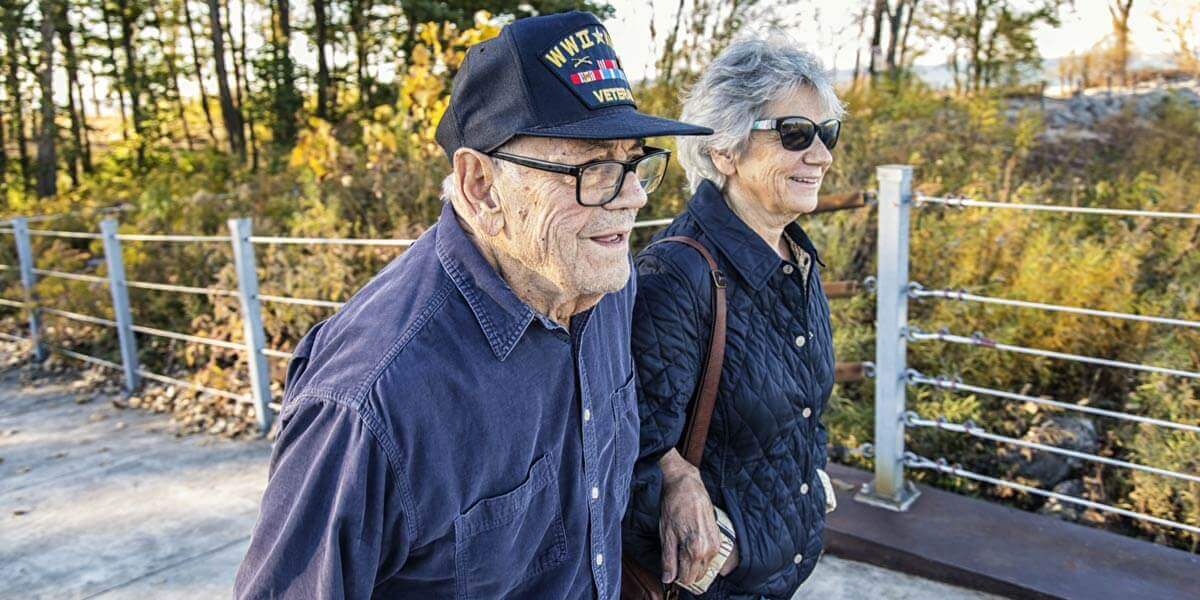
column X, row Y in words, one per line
column 548, row 76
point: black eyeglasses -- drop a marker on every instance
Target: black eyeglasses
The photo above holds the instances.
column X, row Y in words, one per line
column 598, row 182
column 798, row 133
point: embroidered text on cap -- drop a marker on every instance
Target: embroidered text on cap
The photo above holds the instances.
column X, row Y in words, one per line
column 587, row 64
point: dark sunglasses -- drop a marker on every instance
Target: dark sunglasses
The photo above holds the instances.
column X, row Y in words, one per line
column 798, row 133
column 598, row 182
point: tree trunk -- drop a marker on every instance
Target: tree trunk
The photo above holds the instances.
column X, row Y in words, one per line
column 15, row 51
column 912, row 8
column 876, row 37
column 229, row 113
column 323, row 104
column 166, row 45
column 1119, row 11
column 287, row 100
column 245, row 77
column 895, row 19
column 47, row 160
column 132, row 78
column 85, row 149
column 187, row 17
column 72, row 63
column 117, row 87
column 358, row 30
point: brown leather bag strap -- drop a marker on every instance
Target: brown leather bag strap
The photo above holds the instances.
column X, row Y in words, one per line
column 694, row 436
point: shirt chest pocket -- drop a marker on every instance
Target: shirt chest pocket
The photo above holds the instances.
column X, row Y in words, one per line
column 504, row 541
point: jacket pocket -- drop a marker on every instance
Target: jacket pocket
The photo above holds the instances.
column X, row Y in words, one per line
column 507, row 540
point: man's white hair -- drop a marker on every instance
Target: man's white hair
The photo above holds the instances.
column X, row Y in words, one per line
column 730, row 95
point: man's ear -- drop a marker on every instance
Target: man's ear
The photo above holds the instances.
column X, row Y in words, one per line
column 474, row 179
column 724, row 162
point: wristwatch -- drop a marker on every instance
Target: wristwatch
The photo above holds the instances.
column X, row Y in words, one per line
column 725, row 531
column 830, row 496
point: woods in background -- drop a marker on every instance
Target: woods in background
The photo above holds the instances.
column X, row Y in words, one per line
column 82, row 77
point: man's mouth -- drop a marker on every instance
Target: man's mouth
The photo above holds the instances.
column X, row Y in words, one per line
column 611, row 239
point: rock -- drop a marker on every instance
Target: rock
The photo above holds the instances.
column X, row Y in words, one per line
column 1048, row 469
column 1065, row 510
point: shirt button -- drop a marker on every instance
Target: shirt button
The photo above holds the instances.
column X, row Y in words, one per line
column 798, row 558
column 807, row 412
column 587, row 415
column 800, row 341
column 595, row 493
column 787, row 269
column 804, row 488
column 599, row 560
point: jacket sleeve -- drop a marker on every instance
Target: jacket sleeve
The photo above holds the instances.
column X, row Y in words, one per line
column 330, row 525
column 668, row 347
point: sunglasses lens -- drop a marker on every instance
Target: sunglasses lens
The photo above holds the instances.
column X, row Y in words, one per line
column 829, row 132
column 797, row 134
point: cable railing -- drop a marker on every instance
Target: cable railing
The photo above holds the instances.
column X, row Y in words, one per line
column 892, row 377
column 958, row 202
column 954, row 385
column 890, row 488
column 242, row 242
column 941, row 465
column 979, row 340
column 917, row 291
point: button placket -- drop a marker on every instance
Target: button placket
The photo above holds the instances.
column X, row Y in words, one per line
column 591, row 476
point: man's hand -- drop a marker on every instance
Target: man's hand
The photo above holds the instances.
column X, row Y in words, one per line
column 687, row 526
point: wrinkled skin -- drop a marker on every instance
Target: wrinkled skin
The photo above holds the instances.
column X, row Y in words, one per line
column 527, row 223
column 761, row 184
column 761, row 188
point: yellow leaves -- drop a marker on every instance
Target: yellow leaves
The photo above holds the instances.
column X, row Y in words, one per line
column 316, row 149
column 425, row 87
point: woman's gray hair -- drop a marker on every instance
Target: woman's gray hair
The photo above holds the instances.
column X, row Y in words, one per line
column 730, row 95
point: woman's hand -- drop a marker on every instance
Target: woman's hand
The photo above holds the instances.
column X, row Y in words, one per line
column 687, row 526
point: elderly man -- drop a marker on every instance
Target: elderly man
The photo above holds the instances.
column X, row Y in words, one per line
column 466, row 425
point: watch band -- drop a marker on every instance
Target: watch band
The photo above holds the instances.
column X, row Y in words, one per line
column 727, row 535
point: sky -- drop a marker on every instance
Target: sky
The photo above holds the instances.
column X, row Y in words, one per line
column 1083, row 25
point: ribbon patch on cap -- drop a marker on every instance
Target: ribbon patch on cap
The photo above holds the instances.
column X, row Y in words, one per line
column 586, row 62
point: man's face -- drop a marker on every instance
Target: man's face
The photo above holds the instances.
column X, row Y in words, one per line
column 580, row 249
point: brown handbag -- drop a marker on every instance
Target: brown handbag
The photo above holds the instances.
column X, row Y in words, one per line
column 637, row 582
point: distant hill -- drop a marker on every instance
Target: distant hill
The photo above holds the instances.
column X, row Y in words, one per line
column 939, row 76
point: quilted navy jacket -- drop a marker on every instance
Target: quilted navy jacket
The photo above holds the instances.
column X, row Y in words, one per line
column 766, row 440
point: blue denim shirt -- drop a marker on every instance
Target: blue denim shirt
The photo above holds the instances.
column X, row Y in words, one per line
column 438, row 438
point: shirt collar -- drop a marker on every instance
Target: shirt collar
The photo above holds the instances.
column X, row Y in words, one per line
column 502, row 316
column 752, row 257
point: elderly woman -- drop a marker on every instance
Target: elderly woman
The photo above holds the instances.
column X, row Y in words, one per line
column 775, row 115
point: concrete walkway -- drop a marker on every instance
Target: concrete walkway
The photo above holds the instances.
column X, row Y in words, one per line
column 97, row 501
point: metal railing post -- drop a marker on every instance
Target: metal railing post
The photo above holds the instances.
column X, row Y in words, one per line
column 20, row 227
column 889, row 488
column 247, row 277
column 115, row 262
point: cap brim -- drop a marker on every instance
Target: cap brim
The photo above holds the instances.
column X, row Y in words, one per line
column 617, row 125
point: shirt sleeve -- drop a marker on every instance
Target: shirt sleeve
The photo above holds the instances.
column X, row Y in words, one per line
column 669, row 344
column 330, row 525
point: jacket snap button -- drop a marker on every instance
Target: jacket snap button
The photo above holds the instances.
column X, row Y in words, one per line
column 807, row 412
column 787, row 269
column 804, row 488
column 798, row 558
column 800, row 341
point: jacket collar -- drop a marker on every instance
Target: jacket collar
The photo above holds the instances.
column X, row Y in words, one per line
column 502, row 316
column 751, row 257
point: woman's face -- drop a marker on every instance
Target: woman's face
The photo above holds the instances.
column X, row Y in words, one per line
column 785, row 182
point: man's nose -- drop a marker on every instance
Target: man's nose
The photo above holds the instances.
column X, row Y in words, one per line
column 631, row 195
